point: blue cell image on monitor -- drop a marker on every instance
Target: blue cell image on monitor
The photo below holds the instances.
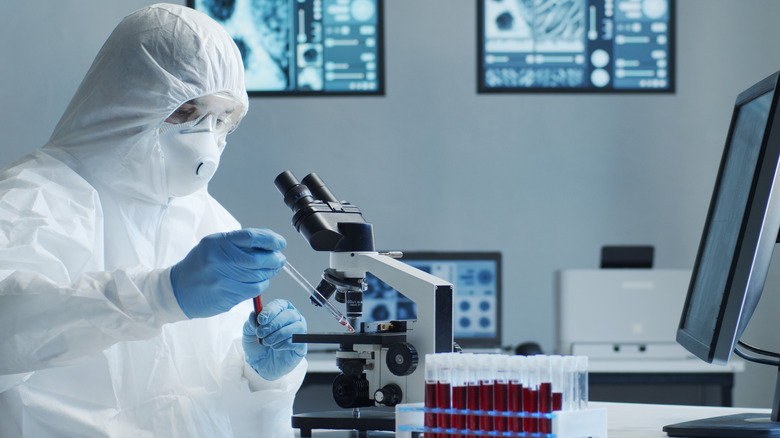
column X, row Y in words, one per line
column 305, row 47
column 476, row 295
column 576, row 45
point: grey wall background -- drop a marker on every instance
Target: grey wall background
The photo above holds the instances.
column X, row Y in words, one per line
column 546, row 179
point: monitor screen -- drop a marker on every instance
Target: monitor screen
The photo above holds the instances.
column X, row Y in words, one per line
column 736, row 247
column 305, row 47
column 575, row 46
column 476, row 278
column 739, row 235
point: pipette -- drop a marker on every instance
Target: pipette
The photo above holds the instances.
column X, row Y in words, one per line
column 300, row 279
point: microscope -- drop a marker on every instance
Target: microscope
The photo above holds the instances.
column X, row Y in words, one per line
column 381, row 363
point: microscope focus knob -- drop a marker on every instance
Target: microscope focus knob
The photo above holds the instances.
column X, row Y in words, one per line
column 351, row 391
column 389, row 395
column 402, row 359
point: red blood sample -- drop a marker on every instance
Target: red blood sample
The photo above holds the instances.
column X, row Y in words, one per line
column 501, row 404
column 557, row 401
column 545, row 406
column 443, row 401
column 530, row 405
column 516, row 405
column 472, row 398
column 486, row 404
column 430, row 402
column 459, row 401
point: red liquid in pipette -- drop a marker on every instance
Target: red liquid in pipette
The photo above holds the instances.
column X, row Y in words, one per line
column 348, row 326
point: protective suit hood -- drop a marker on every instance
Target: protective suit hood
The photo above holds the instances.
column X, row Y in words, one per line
column 155, row 60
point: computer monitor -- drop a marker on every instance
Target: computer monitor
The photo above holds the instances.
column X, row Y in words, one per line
column 476, row 277
column 305, row 47
column 575, row 46
column 736, row 247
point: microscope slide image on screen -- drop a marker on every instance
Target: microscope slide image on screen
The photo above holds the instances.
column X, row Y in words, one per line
column 475, row 300
column 576, row 45
column 304, row 47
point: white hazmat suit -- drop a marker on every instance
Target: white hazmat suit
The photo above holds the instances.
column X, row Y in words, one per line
column 93, row 341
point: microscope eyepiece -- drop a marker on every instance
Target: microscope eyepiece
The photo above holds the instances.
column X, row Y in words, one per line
column 327, row 224
column 296, row 195
column 285, row 181
column 318, row 188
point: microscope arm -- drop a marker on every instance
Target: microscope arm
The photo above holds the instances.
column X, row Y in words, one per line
column 432, row 331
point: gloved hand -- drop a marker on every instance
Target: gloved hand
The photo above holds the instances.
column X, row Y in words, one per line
column 225, row 269
column 276, row 355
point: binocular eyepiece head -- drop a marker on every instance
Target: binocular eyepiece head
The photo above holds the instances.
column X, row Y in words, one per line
column 326, row 223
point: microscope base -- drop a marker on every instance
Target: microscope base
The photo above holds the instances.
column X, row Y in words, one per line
column 369, row 419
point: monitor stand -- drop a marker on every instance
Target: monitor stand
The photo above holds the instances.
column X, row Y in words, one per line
column 732, row 426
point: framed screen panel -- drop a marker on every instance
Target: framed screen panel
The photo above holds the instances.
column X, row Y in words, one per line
column 305, row 47
column 575, row 46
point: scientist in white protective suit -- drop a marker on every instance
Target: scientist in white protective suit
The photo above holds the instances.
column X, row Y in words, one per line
column 124, row 286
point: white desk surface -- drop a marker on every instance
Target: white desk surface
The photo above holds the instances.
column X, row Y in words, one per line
column 624, row 420
column 627, row 420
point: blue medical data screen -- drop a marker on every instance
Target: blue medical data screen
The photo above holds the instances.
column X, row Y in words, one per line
column 305, row 47
column 476, row 280
column 575, row 45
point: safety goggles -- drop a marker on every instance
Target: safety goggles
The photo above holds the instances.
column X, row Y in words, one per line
column 218, row 113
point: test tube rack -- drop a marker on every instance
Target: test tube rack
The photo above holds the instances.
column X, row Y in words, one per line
column 581, row 423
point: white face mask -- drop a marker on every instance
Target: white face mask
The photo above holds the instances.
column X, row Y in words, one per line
column 191, row 154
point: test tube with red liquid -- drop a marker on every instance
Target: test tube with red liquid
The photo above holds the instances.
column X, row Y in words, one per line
column 258, row 302
column 556, row 363
column 515, row 400
column 431, row 380
column 444, row 391
column 501, row 392
column 486, row 392
column 459, row 390
column 531, row 394
column 472, row 393
column 545, row 393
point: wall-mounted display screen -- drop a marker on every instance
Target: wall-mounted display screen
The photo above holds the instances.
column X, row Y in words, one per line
column 575, row 45
column 305, row 47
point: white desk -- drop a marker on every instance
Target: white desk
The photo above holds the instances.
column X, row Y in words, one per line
column 624, row 420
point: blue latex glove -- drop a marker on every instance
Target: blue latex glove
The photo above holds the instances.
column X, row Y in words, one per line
column 276, row 355
column 225, row 269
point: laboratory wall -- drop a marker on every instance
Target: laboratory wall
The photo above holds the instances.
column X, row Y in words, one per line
column 546, row 179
